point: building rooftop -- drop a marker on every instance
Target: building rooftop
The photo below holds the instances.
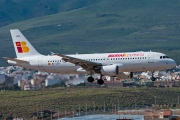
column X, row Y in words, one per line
column 106, row 117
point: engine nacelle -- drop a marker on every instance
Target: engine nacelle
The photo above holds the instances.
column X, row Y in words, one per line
column 125, row 75
column 109, row 70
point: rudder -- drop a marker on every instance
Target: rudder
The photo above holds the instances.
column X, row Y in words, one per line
column 22, row 46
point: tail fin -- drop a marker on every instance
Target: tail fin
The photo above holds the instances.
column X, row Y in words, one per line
column 21, row 45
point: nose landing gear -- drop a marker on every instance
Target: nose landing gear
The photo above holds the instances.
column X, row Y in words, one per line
column 152, row 77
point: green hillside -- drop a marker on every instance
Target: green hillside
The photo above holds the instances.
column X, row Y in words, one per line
column 19, row 10
column 102, row 26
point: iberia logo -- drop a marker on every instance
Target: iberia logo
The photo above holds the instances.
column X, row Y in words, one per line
column 117, row 55
column 21, row 47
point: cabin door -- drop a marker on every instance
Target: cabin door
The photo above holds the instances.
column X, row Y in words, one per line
column 151, row 57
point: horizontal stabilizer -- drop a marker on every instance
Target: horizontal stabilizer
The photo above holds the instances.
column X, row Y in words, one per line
column 15, row 59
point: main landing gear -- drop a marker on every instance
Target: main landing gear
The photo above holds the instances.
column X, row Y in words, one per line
column 152, row 77
column 90, row 79
column 99, row 81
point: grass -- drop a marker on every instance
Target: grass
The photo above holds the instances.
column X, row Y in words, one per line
column 24, row 103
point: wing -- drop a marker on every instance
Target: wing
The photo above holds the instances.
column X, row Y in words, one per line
column 15, row 59
column 87, row 65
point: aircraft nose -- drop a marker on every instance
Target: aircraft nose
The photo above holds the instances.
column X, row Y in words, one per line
column 172, row 63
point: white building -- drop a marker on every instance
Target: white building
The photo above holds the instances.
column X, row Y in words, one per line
column 16, row 79
column 52, row 79
column 49, row 82
column 2, row 78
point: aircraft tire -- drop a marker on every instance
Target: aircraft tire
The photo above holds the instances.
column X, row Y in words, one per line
column 100, row 81
column 90, row 79
column 153, row 79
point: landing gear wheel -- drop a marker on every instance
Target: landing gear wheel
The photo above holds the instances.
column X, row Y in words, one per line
column 100, row 81
column 153, row 79
column 90, row 79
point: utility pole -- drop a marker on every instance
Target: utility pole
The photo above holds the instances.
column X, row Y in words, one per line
column 79, row 111
column 94, row 107
column 118, row 104
column 51, row 114
column 73, row 113
column 86, row 108
column 41, row 113
column 58, row 113
column 155, row 100
column 135, row 103
column 104, row 106
column 65, row 113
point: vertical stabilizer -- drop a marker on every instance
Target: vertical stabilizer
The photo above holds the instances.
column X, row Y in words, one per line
column 21, row 45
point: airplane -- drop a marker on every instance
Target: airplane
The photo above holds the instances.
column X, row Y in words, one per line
column 120, row 65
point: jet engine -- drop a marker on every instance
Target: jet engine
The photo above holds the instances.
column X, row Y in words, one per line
column 109, row 70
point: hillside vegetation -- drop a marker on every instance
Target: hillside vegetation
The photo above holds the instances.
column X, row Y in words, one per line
column 98, row 26
column 24, row 103
column 19, row 10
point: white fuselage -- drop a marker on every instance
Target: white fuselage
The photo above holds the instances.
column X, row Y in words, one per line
column 127, row 62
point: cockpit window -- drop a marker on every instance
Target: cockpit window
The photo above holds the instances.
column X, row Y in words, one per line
column 163, row 57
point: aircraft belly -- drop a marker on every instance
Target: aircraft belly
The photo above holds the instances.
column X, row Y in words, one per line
column 139, row 67
column 62, row 70
column 134, row 66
